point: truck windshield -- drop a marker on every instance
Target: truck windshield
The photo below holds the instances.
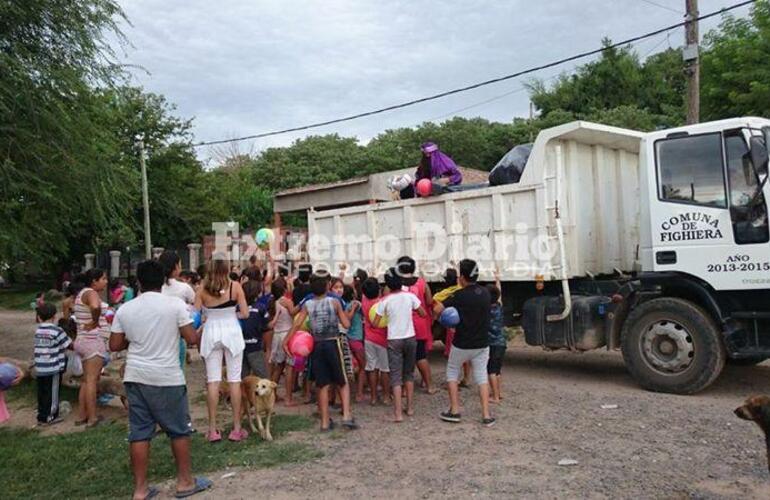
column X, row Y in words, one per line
column 748, row 210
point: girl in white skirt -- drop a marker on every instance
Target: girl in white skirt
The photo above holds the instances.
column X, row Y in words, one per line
column 222, row 338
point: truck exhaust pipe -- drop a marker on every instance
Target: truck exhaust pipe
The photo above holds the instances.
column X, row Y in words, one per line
column 560, row 238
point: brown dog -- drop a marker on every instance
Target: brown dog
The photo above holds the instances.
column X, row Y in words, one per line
column 259, row 395
column 757, row 408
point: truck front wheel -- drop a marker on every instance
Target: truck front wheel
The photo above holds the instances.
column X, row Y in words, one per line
column 672, row 345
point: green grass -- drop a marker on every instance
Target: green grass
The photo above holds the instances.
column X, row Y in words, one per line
column 21, row 298
column 24, row 395
column 94, row 463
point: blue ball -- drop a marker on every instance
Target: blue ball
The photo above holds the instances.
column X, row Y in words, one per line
column 449, row 318
column 196, row 317
column 8, row 373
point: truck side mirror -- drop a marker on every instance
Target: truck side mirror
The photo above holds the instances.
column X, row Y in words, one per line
column 759, row 155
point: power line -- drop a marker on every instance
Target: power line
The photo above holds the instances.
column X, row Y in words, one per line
column 479, row 84
column 671, row 9
column 654, row 48
column 523, row 88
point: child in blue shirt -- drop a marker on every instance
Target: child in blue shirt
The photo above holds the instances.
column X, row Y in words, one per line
column 356, row 337
column 497, row 342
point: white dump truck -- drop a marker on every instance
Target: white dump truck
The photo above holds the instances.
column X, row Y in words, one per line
column 656, row 244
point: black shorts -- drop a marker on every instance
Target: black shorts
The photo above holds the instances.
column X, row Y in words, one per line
column 149, row 405
column 254, row 364
column 327, row 365
column 495, row 363
column 421, row 352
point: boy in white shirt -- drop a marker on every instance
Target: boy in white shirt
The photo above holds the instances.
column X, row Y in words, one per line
column 397, row 306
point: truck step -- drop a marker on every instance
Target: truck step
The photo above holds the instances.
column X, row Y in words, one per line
column 750, row 315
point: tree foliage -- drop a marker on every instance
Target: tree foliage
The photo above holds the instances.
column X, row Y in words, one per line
column 69, row 122
column 735, row 75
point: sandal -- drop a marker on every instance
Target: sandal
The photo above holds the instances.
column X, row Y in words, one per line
column 213, row 436
column 201, row 484
column 99, row 421
column 330, row 428
column 350, row 425
column 238, row 436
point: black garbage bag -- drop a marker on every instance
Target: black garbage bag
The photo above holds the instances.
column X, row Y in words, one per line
column 510, row 167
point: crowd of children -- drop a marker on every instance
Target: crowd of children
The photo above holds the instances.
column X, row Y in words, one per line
column 369, row 338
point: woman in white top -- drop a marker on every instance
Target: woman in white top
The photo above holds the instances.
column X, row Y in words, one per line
column 172, row 266
column 222, row 337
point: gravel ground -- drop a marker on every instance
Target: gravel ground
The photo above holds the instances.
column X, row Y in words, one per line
column 650, row 446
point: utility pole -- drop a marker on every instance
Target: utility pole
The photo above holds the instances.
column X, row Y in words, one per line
column 145, row 204
column 691, row 62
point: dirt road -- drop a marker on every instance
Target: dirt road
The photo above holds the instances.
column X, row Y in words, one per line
column 651, row 446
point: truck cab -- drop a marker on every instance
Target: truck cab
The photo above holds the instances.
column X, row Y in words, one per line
column 702, row 297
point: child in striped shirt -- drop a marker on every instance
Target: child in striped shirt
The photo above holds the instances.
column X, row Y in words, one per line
column 51, row 342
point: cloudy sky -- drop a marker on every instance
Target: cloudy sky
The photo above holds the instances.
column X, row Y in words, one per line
column 242, row 67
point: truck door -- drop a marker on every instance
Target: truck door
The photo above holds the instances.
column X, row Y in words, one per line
column 709, row 219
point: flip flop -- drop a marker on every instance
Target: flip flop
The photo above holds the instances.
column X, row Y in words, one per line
column 152, row 492
column 201, row 484
column 99, row 421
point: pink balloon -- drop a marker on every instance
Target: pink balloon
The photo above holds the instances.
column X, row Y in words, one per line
column 424, row 187
column 301, row 344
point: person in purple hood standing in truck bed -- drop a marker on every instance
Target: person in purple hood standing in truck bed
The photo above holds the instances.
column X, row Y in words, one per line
column 436, row 166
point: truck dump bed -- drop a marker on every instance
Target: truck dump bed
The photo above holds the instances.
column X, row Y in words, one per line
column 592, row 169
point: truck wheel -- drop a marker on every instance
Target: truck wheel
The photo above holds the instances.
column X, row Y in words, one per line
column 672, row 345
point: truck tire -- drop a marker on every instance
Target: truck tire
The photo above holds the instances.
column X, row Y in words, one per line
column 672, row 345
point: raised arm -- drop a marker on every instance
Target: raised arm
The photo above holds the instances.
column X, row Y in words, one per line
column 270, row 271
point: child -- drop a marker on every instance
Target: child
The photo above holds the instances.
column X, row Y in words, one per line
column 51, row 342
column 356, row 337
column 280, row 324
column 336, row 290
column 376, row 345
column 131, row 289
column 252, row 329
column 423, row 326
column 325, row 314
column 497, row 342
column 117, row 293
column 450, row 287
column 470, row 342
column 402, row 346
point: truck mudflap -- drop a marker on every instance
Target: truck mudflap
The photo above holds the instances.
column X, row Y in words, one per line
column 583, row 330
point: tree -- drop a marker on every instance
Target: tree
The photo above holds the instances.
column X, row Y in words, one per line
column 59, row 186
column 735, row 76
